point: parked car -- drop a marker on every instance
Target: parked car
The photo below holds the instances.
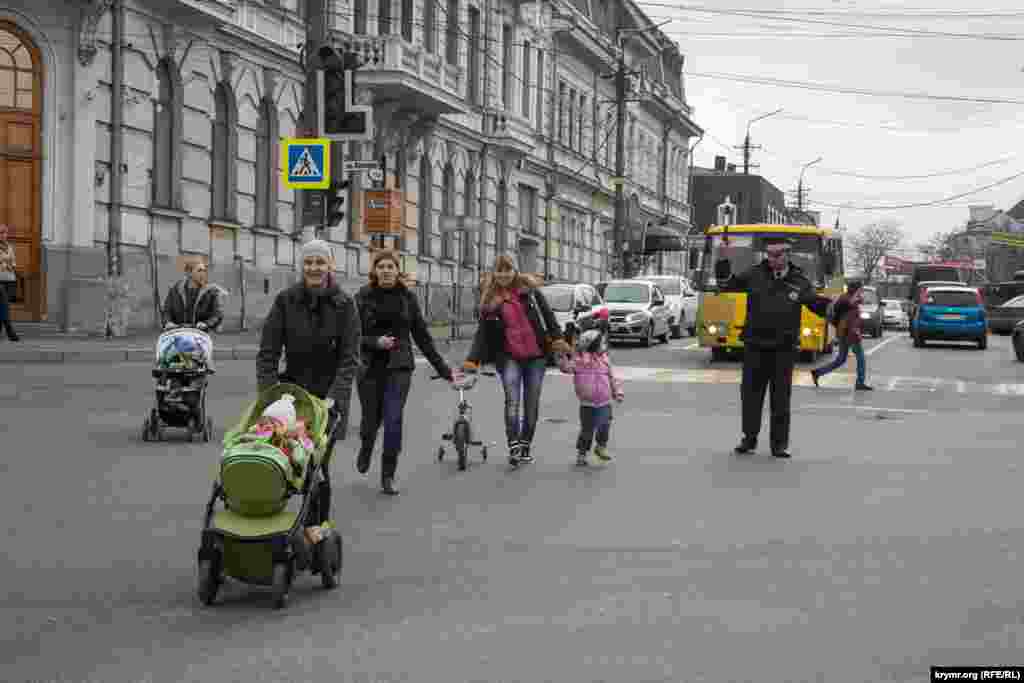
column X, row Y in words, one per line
column 871, row 312
column 681, row 300
column 1003, row 319
column 572, row 303
column 1018, row 340
column 636, row 310
column 950, row 313
column 894, row 315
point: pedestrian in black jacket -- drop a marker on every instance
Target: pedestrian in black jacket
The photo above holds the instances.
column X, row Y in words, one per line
column 317, row 325
column 391, row 320
column 193, row 301
column 777, row 291
column 517, row 330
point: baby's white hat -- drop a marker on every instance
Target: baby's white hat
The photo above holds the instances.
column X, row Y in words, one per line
column 283, row 409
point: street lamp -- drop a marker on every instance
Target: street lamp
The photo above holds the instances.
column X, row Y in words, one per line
column 800, row 185
column 746, row 139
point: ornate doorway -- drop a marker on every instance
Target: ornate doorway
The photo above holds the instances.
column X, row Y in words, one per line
column 21, row 106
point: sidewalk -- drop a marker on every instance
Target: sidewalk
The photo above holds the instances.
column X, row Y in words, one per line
column 139, row 347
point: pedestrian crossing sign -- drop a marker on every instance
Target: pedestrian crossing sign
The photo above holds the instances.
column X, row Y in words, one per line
column 307, row 163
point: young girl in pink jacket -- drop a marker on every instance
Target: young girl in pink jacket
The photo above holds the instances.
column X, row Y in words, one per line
column 596, row 386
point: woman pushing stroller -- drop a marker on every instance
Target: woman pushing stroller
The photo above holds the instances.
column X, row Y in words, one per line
column 318, row 326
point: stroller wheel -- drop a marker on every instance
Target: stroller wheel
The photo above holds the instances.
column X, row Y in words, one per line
column 483, row 452
column 330, row 561
column 282, row 583
column 209, row 582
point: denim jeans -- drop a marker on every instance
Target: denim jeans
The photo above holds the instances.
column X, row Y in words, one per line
column 844, row 350
column 382, row 397
column 594, row 420
column 522, row 381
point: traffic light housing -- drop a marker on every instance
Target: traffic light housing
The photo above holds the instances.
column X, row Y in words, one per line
column 340, row 118
column 335, row 209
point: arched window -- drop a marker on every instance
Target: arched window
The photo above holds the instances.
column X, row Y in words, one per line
column 448, row 209
column 167, row 137
column 425, row 224
column 17, row 73
column 224, row 156
column 267, row 168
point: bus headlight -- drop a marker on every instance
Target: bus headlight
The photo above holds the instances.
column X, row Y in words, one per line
column 807, row 332
column 712, row 329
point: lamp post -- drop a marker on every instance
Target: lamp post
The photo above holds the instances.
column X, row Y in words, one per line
column 800, row 185
column 746, row 139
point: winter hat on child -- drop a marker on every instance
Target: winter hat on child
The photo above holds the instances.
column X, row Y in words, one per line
column 283, row 409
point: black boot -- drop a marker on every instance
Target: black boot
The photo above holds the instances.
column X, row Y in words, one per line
column 364, row 457
column 524, row 453
column 388, row 486
column 747, row 445
column 11, row 334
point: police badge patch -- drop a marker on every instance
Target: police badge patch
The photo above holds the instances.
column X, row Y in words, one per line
column 793, row 296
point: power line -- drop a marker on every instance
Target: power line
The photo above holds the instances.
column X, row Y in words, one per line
column 906, row 12
column 922, row 204
column 820, row 87
column 755, row 14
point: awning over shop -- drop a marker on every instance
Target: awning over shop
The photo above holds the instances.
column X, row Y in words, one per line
column 659, row 238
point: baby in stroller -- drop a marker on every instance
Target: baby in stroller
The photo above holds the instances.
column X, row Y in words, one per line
column 180, row 373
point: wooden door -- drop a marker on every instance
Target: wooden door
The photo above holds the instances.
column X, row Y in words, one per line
column 21, row 95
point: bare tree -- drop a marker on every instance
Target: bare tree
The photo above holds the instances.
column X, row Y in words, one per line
column 939, row 245
column 870, row 244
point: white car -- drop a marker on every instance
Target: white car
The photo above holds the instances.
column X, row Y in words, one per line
column 893, row 314
column 681, row 299
column 636, row 310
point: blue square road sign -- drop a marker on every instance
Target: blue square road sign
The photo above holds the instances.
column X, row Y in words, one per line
column 307, row 163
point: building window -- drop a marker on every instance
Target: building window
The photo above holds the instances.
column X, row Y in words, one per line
column 526, row 79
column 168, row 137
column 501, row 219
column 451, row 45
column 224, row 156
column 430, row 26
column 571, row 142
column 267, row 176
column 540, row 90
column 582, row 118
column 359, row 17
column 473, row 66
column 528, row 209
column 384, row 17
column 17, row 73
column 506, row 66
column 448, row 209
column 407, row 19
column 426, row 209
column 469, row 209
column 562, row 105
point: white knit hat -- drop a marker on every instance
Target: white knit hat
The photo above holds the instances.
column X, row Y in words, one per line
column 317, row 248
column 283, row 409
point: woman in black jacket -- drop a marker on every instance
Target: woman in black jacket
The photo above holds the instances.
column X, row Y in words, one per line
column 317, row 325
column 517, row 329
column 391, row 321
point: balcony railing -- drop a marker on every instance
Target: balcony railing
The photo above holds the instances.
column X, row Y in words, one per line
column 392, row 53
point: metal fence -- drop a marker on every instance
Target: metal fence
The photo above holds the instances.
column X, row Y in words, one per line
column 456, row 305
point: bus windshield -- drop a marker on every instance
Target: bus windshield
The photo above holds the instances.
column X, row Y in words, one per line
column 747, row 250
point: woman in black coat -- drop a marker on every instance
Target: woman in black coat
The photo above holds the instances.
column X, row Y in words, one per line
column 391, row 321
column 317, row 325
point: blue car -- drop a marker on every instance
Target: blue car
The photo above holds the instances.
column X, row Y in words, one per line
column 950, row 314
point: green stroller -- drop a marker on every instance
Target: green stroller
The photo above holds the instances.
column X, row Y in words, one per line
column 256, row 535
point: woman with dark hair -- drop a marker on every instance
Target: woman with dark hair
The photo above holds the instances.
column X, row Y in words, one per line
column 317, row 326
column 517, row 329
column 391, row 320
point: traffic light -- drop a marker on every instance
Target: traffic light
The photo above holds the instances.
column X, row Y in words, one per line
column 339, row 118
column 335, row 209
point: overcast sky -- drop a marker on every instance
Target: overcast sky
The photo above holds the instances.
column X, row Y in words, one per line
column 858, row 133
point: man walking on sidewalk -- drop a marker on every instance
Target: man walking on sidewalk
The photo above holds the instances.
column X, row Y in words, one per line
column 849, row 333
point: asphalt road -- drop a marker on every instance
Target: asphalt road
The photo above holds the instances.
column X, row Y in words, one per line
column 889, row 542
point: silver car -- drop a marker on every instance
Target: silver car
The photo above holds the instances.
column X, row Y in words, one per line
column 637, row 310
column 681, row 299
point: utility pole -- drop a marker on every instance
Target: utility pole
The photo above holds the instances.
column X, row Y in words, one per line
column 747, row 147
column 620, row 165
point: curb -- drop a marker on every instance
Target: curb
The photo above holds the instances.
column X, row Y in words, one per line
column 144, row 355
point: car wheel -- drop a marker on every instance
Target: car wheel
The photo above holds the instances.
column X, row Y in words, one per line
column 983, row 343
column 648, row 340
column 677, row 331
column 918, row 341
column 1018, row 348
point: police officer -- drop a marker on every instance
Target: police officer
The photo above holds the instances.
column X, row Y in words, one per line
column 776, row 292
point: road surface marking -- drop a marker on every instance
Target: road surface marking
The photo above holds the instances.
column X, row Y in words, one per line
column 692, row 346
column 909, row 411
column 961, row 386
column 879, row 345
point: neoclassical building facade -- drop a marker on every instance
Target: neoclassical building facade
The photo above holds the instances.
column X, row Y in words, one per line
column 170, row 138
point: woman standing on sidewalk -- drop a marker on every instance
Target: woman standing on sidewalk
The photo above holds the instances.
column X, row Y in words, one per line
column 850, row 337
column 391, row 320
column 517, row 329
column 7, row 280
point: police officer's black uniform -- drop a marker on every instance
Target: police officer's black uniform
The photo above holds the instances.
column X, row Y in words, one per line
column 771, row 340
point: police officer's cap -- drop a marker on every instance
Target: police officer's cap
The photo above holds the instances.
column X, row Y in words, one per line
column 777, row 240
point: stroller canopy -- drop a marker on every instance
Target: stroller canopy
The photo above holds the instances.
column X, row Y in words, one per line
column 183, row 349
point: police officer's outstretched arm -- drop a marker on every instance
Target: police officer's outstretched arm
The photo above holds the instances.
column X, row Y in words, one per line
column 728, row 280
column 809, row 298
column 348, row 363
column 271, row 343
